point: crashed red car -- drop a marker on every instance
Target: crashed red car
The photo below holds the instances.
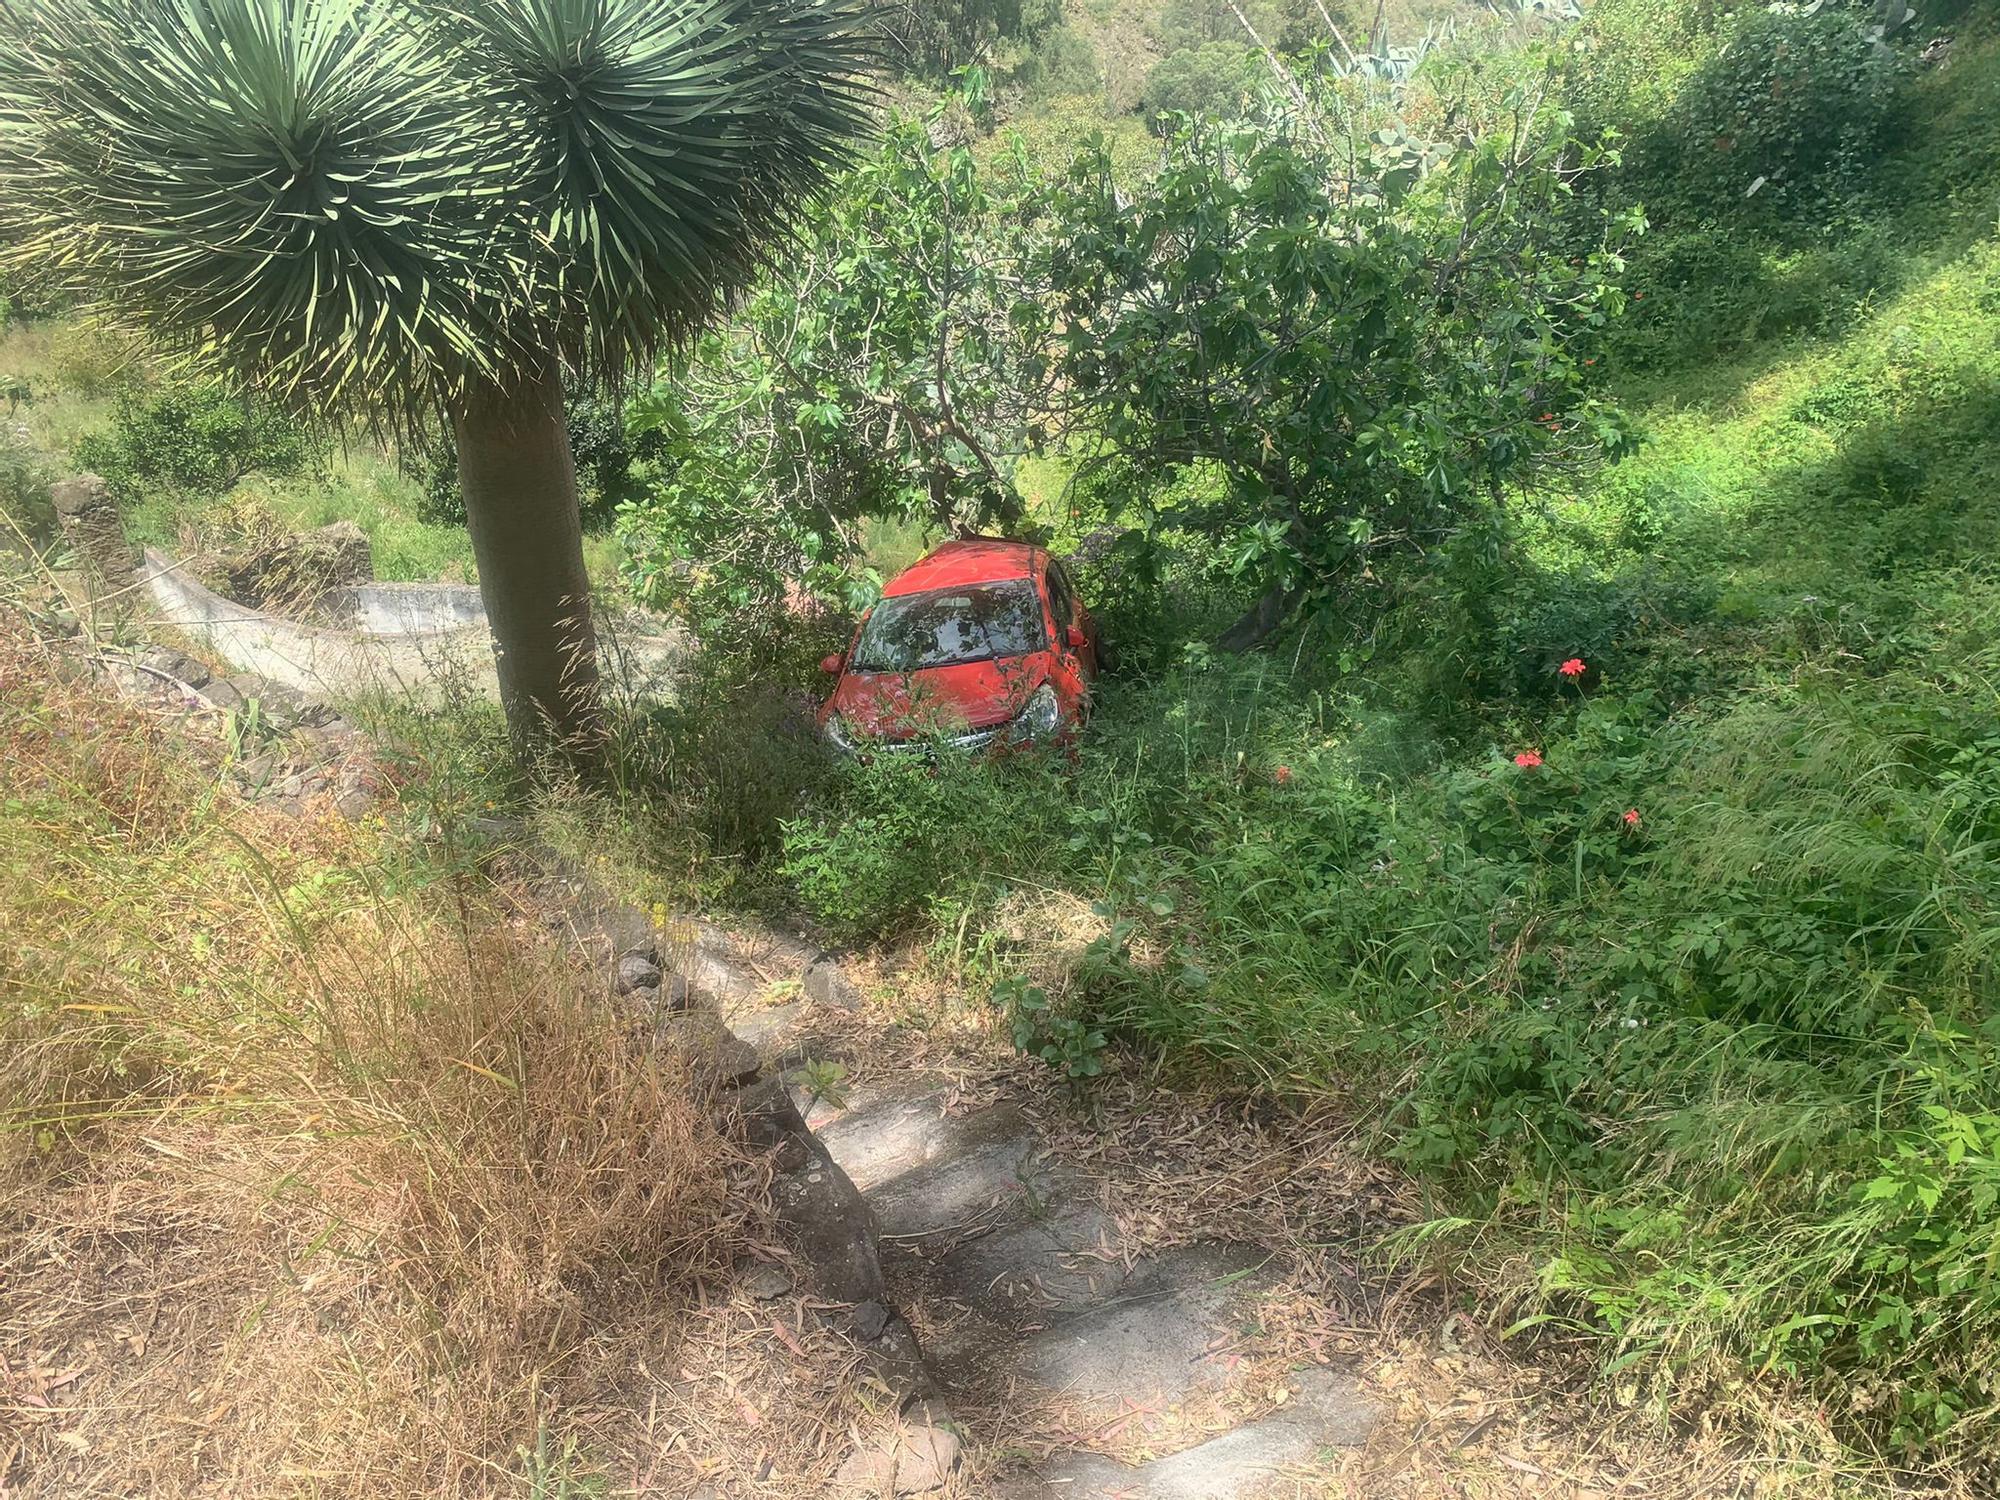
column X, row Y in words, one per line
column 982, row 643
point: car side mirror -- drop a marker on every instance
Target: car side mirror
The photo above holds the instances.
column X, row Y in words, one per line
column 831, row 665
column 1077, row 639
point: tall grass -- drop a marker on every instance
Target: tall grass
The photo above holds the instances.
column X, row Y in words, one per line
column 318, row 1171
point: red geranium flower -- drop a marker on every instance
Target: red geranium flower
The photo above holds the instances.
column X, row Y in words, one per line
column 1631, row 817
column 1527, row 760
column 1283, row 775
column 1574, row 667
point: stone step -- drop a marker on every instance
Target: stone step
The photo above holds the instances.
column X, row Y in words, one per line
column 883, row 1134
column 1149, row 1342
column 991, row 1174
column 1327, row 1411
column 1061, row 1259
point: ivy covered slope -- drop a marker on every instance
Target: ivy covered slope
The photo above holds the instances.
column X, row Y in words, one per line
column 1638, row 873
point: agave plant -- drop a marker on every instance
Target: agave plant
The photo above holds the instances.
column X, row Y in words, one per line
column 388, row 208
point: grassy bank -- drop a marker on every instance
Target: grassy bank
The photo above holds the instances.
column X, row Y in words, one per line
column 318, row 1171
column 72, row 387
column 1689, row 1021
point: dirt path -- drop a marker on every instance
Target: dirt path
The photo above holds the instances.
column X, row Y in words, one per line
column 1159, row 1297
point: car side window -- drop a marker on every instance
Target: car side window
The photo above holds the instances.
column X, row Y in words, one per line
column 1062, row 603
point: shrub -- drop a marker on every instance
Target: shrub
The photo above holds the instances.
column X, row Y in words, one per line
column 1787, row 118
column 1214, row 78
column 195, row 438
column 896, row 835
column 1063, row 63
column 24, row 495
column 94, row 361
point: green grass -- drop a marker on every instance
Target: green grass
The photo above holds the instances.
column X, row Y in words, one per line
column 1712, row 1097
column 74, row 376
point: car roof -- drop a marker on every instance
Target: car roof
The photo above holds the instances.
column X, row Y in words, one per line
column 973, row 559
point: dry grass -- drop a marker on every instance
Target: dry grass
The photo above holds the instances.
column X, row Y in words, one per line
column 317, row 1174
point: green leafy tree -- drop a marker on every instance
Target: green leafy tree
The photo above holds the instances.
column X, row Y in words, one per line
column 884, row 374
column 386, row 208
column 934, row 38
column 1215, row 78
column 1367, row 347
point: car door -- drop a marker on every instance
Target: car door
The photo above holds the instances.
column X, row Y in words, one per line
column 1069, row 613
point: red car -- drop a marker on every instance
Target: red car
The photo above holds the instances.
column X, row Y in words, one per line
column 984, row 642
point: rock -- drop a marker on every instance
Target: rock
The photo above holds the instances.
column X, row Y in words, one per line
column 637, row 969
column 870, row 1318
column 222, row 695
column 126, row 680
column 178, row 665
column 720, row 1058
column 829, row 1223
column 767, row 1284
column 255, row 771
column 826, row 982
column 915, row 1457
column 293, row 573
column 353, row 803
column 325, row 742
column 91, row 524
column 278, row 706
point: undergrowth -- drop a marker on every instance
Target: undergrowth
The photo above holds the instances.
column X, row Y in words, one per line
column 1675, row 979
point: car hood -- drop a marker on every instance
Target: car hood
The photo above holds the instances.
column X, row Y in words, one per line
column 941, row 700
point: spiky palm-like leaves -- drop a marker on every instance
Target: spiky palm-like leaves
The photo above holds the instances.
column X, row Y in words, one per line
column 368, row 203
column 390, row 206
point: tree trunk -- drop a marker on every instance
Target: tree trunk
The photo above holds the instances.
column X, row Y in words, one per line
column 1256, row 623
column 519, row 480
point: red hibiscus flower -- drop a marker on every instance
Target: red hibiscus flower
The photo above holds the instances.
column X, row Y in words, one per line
column 1631, row 817
column 1574, row 667
column 1527, row 760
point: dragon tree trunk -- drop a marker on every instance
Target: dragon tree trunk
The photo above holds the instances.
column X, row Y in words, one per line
column 519, row 481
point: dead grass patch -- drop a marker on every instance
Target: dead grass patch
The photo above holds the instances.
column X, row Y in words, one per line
column 318, row 1173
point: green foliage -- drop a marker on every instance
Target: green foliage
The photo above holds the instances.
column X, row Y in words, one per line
column 1063, row 1042
column 416, row 196
column 199, row 438
column 1182, row 25
column 1212, row 78
column 884, row 374
column 24, row 495
column 1062, row 63
column 933, row 39
column 1365, row 352
column 1784, row 119
column 894, row 837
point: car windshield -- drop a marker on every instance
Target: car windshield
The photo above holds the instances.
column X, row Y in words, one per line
column 975, row 623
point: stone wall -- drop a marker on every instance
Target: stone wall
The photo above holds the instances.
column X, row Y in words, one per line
column 95, row 533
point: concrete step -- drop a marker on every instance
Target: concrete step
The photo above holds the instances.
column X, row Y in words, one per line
column 1149, row 1342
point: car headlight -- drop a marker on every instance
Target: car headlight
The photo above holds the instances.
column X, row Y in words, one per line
column 837, row 735
column 1040, row 716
